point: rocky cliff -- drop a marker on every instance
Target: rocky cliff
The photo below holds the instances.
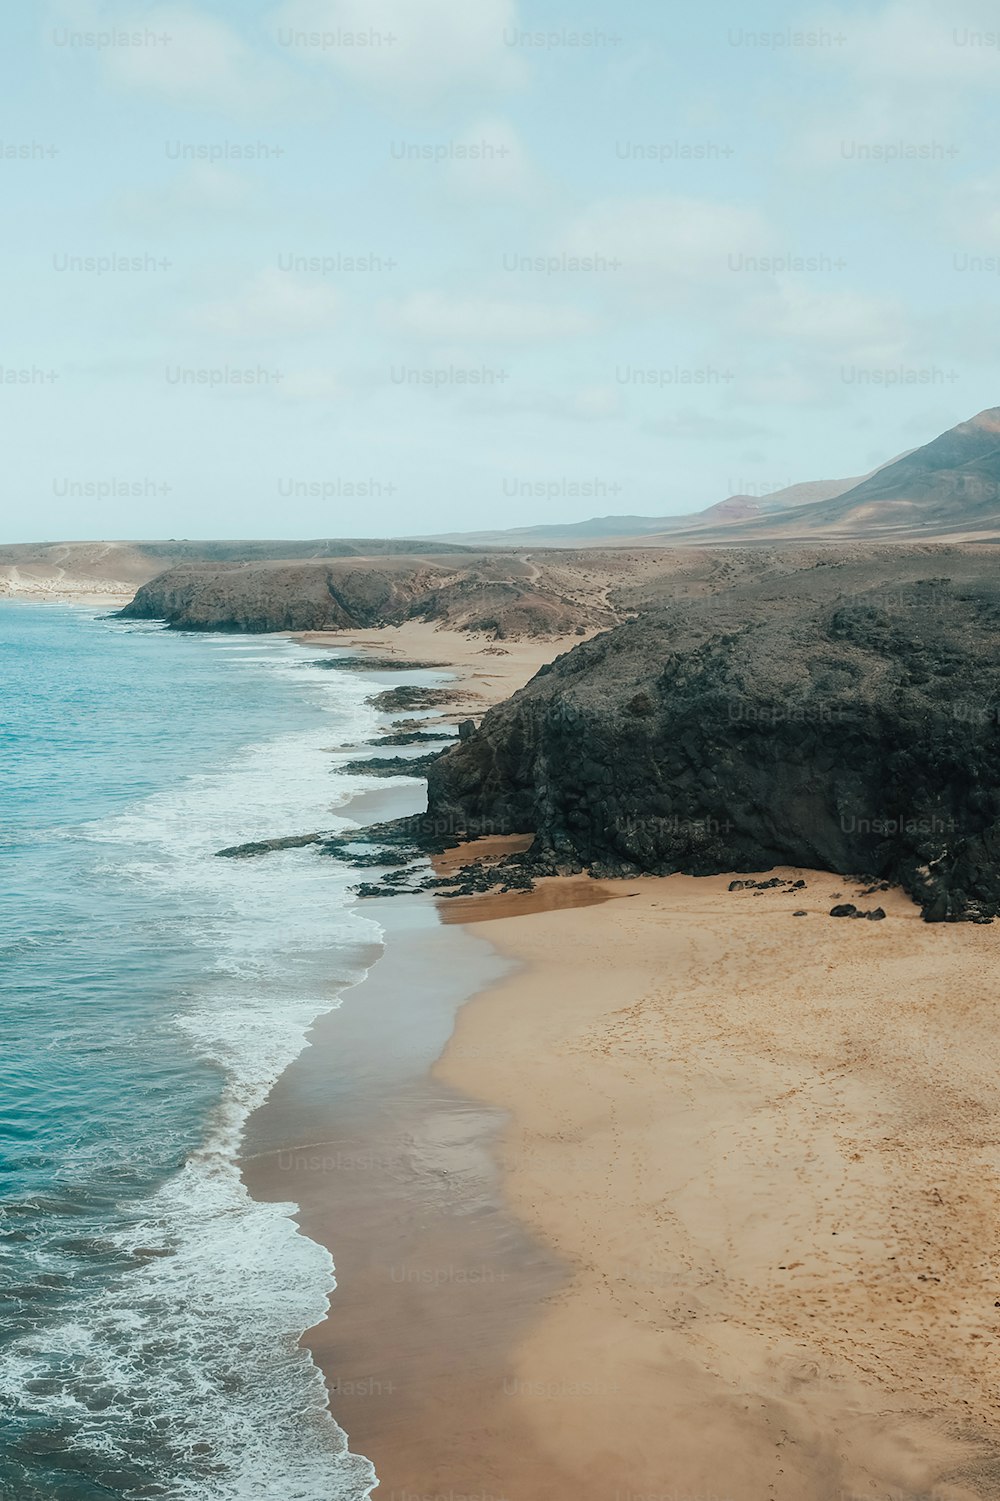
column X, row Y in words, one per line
column 830, row 724
column 501, row 595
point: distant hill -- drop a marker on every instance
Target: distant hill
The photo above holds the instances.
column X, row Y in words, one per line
column 560, row 534
column 602, row 529
column 948, row 488
column 952, row 483
column 118, row 568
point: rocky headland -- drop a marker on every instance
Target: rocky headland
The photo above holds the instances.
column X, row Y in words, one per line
column 500, row 596
column 853, row 729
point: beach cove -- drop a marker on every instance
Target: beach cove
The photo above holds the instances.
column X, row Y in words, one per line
column 690, row 1204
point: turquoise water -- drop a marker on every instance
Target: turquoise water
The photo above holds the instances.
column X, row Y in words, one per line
column 149, row 996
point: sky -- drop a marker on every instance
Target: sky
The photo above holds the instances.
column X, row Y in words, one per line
column 323, row 268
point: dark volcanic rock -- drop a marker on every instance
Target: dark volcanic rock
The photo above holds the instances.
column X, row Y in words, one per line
column 391, row 766
column 375, row 664
column 790, row 728
column 411, row 737
column 267, row 846
column 410, row 697
column 846, row 909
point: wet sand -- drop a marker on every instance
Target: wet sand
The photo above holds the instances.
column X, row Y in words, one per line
column 397, row 1173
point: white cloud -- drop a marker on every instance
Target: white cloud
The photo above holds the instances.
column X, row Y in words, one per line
column 272, row 304
column 183, row 55
column 501, row 169
column 849, row 324
column 418, row 49
column 909, row 73
column 973, row 216
column 436, row 317
column 882, row 130
column 199, row 193
column 918, row 41
column 668, row 246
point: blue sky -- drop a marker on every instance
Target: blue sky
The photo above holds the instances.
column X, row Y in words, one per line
column 379, row 267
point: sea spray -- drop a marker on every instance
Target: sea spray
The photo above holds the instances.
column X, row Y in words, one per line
column 152, row 996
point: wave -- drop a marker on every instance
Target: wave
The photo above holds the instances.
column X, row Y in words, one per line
column 184, row 1372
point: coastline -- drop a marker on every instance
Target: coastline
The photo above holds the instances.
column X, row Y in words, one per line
column 484, row 671
column 50, row 590
column 395, row 1173
column 555, row 1232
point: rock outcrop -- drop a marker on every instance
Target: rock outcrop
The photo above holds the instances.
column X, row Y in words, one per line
column 855, row 731
column 497, row 595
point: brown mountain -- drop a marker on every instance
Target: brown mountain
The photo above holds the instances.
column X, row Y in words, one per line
column 948, row 488
column 643, row 530
column 951, row 484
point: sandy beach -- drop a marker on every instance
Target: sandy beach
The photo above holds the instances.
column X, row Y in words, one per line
column 697, row 1202
column 765, row 1145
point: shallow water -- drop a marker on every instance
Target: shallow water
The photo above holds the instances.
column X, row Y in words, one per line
column 150, row 994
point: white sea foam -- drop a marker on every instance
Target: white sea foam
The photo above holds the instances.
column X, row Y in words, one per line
column 200, row 1342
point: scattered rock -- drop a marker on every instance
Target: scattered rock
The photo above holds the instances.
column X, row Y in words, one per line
column 409, row 696
column 390, row 766
column 266, row 846
column 848, row 909
column 375, row 664
column 413, row 737
column 367, row 889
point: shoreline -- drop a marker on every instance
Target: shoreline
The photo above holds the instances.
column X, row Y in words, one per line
column 88, row 594
column 553, row 1206
column 392, row 1172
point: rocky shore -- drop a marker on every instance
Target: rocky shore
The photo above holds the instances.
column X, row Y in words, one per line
column 856, row 734
column 825, row 708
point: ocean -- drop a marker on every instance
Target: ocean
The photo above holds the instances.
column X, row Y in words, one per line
column 150, row 994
